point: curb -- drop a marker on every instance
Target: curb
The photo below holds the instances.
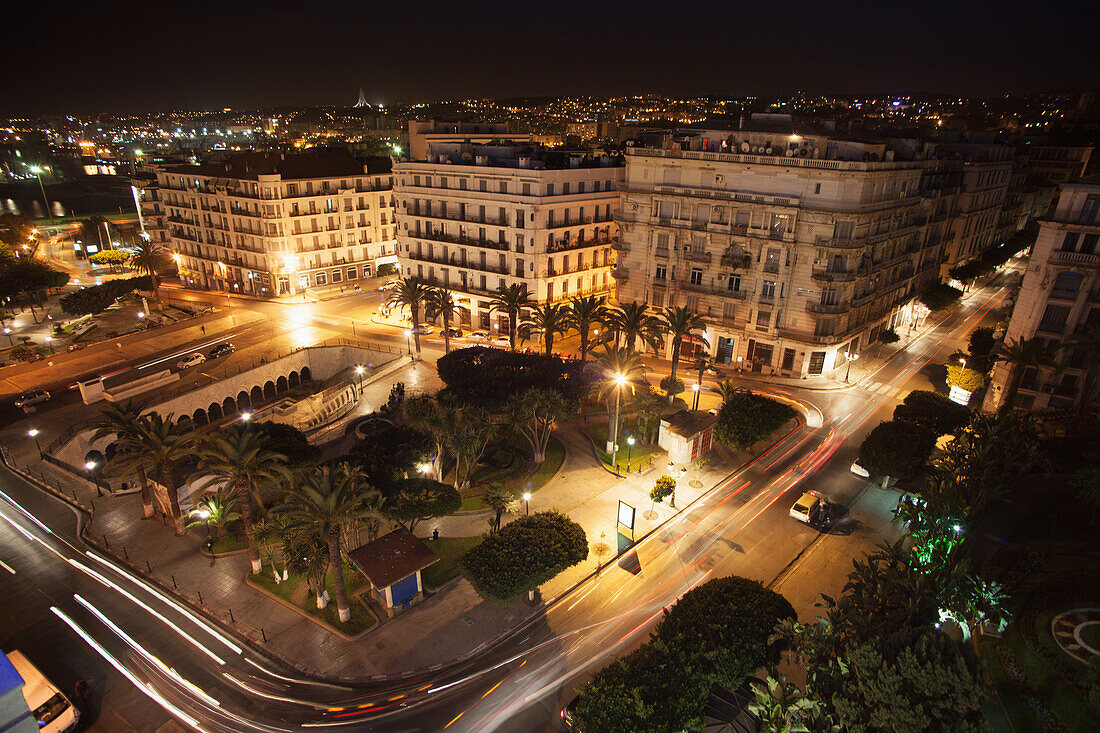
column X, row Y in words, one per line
column 248, row 582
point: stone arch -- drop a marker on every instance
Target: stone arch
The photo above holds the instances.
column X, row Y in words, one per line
column 111, row 450
column 257, row 395
column 199, row 417
column 306, row 375
column 269, row 389
column 184, row 421
column 293, row 380
column 97, row 457
column 281, row 385
column 242, row 400
column 229, row 406
column 214, row 411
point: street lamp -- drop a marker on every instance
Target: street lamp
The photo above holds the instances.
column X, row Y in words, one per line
column 695, row 403
column 613, row 438
column 49, row 342
column 37, row 171
column 246, row 415
column 359, row 373
column 740, row 359
column 851, row 357
column 33, row 432
column 91, row 465
column 7, row 332
column 527, row 501
column 408, row 339
column 629, row 450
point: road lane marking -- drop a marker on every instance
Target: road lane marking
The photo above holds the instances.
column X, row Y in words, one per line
column 6, row 567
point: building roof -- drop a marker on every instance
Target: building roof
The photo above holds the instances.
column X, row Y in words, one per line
column 291, row 166
column 392, row 557
column 688, row 424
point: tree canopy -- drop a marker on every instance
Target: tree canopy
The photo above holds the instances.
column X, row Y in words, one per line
column 933, row 411
column 98, row 297
column 487, row 376
column 896, row 448
column 420, row 499
column 745, row 418
column 939, row 296
column 524, row 554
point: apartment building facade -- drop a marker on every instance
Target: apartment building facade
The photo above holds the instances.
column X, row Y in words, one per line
column 797, row 247
column 986, row 172
column 271, row 224
column 475, row 216
column 1060, row 295
column 152, row 217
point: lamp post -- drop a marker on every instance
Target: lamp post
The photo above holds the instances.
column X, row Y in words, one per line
column 7, row 332
column 33, row 432
column 408, row 340
column 359, row 373
column 629, row 450
column 613, row 438
column 527, row 501
column 740, row 359
column 49, row 342
column 246, row 415
column 37, row 171
column 851, row 357
column 91, row 466
column 695, row 403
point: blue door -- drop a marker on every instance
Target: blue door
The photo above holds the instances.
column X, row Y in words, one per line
column 403, row 590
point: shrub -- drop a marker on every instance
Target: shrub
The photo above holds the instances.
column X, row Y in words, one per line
column 524, row 555
column 24, row 353
column 896, row 449
column 933, row 411
column 673, row 388
column 745, row 418
column 98, row 297
column 965, row 378
column 288, row 440
column 888, row 336
column 386, row 270
column 488, row 377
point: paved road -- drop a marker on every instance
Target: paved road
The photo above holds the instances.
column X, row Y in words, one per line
column 204, row 678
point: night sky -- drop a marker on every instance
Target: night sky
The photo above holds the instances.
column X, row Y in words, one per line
column 84, row 57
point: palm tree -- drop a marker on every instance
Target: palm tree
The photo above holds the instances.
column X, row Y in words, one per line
column 681, row 323
column 725, row 389
column 411, row 293
column 1087, row 344
column 440, row 302
column 473, row 432
column 633, row 322
column 500, row 499
column 511, row 300
column 1020, row 355
column 306, row 554
column 238, row 458
column 163, row 443
column 622, row 369
column 217, row 511
column 151, row 258
column 325, row 499
column 585, row 312
column 548, row 320
column 273, row 533
column 123, row 420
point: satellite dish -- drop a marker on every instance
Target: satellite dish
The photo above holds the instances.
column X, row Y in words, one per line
column 745, row 147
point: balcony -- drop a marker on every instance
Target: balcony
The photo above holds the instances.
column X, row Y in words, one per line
column 713, row 290
column 694, row 256
column 837, row 276
column 1075, row 259
column 827, row 308
column 743, row 262
column 454, row 239
column 568, row 246
column 467, row 219
column 454, row 261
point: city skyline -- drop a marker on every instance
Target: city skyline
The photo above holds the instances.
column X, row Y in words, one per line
column 209, row 57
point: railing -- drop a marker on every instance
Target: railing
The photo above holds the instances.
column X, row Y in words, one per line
column 455, row 239
column 712, row 290
column 1083, row 259
column 468, row 219
column 827, row 308
column 578, row 244
column 836, row 276
column 455, row 262
column 736, row 261
column 694, row 256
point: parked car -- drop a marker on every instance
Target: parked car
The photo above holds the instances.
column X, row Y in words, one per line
column 190, row 361
column 454, row 333
column 502, row 342
column 388, row 286
column 425, row 329
column 34, row 397
column 807, row 507
column 480, row 336
column 52, row 711
column 859, row 470
column 222, row 350
column 567, row 714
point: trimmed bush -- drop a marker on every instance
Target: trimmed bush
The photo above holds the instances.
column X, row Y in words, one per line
column 896, row 449
column 746, row 417
column 673, row 388
column 933, row 411
column 523, row 555
column 487, row 377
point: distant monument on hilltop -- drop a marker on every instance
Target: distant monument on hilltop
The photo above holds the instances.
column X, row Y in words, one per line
column 362, row 99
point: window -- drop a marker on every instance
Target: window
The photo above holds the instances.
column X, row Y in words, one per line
column 1069, row 244
column 580, row 187
column 549, row 189
column 483, row 185
column 657, row 300
column 337, row 276
column 527, row 189
column 763, row 317
column 662, row 241
column 817, row 188
column 321, row 278
column 503, row 188
column 1088, row 244
column 696, row 276
column 1066, row 285
column 565, row 189
column 1054, row 318
column 767, row 290
column 353, row 273
column 729, row 310
column 733, row 283
column 660, row 272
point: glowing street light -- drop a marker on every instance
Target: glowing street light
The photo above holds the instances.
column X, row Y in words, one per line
column 7, row 332
column 613, row 436
column 695, row 403
column 408, row 340
column 91, row 466
column 851, row 357
column 246, row 415
column 629, row 450
column 359, row 373
column 527, row 501
column 33, row 432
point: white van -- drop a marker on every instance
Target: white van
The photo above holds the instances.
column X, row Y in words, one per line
column 51, row 709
